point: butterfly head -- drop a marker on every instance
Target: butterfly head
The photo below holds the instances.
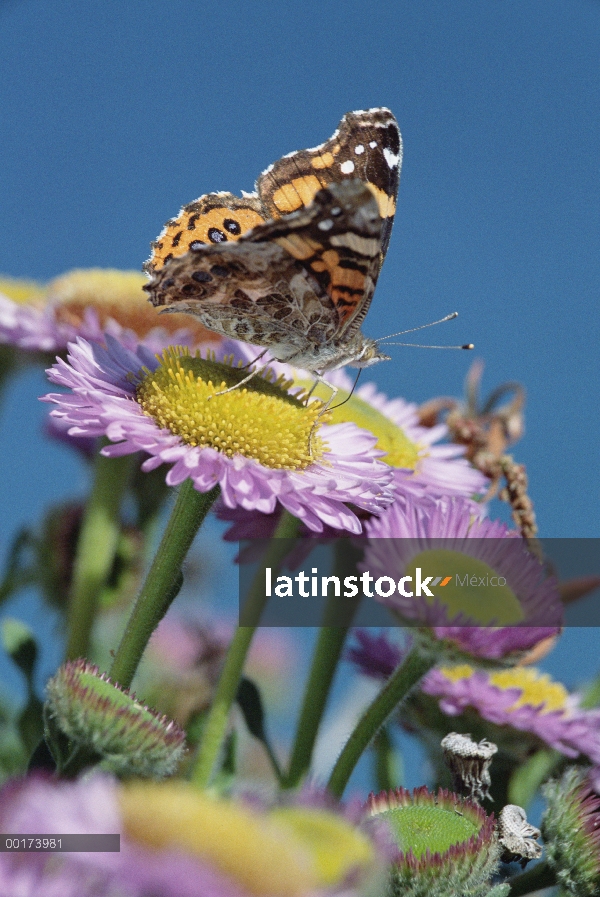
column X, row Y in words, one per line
column 368, row 354
column 357, row 352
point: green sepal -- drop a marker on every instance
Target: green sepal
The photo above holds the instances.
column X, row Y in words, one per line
column 527, row 778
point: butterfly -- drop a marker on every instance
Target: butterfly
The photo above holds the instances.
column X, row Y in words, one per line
column 291, row 267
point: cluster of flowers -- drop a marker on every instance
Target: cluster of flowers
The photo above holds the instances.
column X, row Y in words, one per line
column 370, row 467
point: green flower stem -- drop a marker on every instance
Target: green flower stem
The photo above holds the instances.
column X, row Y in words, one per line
column 536, row 879
column 407, row 675
column 215, row 728
column 163, row 579
column 96, row 547
column 389, row 771
column 9, row 361
column 338, row 616
column 325, row 660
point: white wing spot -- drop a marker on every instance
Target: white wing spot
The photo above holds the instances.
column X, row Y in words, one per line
column 327, row 224
column 391, row 158
column 359, row 150
column 373, row 144
column 347, row 167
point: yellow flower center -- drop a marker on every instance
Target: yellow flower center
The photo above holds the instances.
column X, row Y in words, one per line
column 474, row 588
column 21, row 291
column 117, row 295
column 289, row 852
column 336, row 846
column 400, row 451
column 260, row 420
column 536, row 688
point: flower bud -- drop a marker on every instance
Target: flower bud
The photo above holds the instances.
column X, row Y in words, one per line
column 571, row 830
column 446, row 845
column 100, row 718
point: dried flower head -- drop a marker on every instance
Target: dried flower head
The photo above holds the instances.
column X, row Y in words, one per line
column 517, row 836
column 469, row 763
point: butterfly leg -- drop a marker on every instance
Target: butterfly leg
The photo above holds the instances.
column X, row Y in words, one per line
column 334, row 391
column 254, row 360
column 312, row 389
column 246, row 379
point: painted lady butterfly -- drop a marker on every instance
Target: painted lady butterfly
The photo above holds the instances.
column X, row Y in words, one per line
column 292, row 267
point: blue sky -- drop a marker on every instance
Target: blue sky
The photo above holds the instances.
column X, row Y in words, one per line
column 113, row 115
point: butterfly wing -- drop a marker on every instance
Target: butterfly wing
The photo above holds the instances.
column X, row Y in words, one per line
column 210, row 220
column 294, row 263
column 366, row 145
column 247, row 291
column 337, row 240
column 302, row 280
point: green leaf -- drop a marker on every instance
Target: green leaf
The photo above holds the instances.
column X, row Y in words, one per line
column 21, row 570
column 528, row 777
column 249, row 699
column 19, row 642
column 250, row 702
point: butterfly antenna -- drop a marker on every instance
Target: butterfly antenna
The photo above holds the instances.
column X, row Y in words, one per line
column 422, row 346
column 449, row 317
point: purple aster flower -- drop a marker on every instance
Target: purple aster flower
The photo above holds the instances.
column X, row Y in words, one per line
column 481, row 573
column 172, row 844
column 88, row 303
column 32, row 326
column 374, row 655
column 38, row 806
column 421, row 468
column 421, row 465
column 523, row 698
column 252, row 442
column 520, row 697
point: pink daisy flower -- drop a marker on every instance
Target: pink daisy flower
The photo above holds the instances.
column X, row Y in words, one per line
column 89, row 303
column 252, row 442
column 422, row 462
column 177, row 841
column 493, row 592
column 520, row 697
column 523, row 698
